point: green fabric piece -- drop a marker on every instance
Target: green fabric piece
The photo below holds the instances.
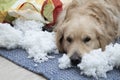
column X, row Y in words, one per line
column 48, row 12
column 6, row 4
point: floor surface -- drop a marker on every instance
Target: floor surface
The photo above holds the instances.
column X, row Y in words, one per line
column 10, row 71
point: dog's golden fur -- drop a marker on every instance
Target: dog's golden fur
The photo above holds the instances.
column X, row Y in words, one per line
column 85, row 25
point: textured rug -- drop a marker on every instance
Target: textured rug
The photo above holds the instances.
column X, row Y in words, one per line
column 49, row 69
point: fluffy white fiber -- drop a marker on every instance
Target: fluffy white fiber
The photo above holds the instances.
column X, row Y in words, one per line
column 64, row 62
column 25, row 25
column 38, row 44
column 97, row 63
column 28, row 35
column 9, row 37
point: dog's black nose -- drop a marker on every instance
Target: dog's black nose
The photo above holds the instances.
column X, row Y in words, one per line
column 75, row 59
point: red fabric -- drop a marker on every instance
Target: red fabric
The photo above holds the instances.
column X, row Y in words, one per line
column 56, row 11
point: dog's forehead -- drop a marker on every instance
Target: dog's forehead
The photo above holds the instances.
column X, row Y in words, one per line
column 79, row 31
column 81, row 21
column 80, row 26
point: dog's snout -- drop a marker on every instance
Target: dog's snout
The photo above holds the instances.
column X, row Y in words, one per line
column 75, row 59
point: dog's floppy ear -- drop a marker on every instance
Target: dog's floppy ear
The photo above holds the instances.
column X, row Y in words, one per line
column 102, row 42
column 59, row 33
column 107, row 26
column 103, row 39
column 59, row 39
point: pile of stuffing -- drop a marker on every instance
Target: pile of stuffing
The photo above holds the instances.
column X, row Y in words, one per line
column 96, row 63
column 28, row 35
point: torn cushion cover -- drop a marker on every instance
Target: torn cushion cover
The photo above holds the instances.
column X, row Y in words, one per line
column 49, row 10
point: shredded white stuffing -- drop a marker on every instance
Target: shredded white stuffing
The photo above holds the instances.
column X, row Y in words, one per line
column 114, row 54
column 64, row 62
column 97, row 63
column 28, row 34
column 38, row 44
column 25, row 25
column 9, row 37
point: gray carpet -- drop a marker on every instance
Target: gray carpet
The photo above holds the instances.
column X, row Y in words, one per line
column 50, row 68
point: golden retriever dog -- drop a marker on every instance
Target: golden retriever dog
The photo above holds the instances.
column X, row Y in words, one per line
column 85, row 25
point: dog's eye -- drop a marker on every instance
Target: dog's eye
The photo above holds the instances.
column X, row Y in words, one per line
column 69, row 39
column 87, row 39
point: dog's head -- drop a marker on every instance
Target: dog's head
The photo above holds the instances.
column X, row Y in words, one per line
column 78, row 32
